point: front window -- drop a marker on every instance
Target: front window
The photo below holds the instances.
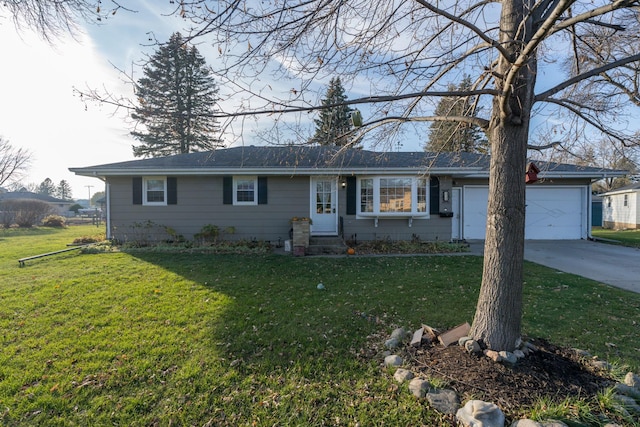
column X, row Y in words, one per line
column 155, row 191
column 245, row 191
column 396, row 196
column 626, row 200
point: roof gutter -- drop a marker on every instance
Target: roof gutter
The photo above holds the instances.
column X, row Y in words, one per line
column 98, row 173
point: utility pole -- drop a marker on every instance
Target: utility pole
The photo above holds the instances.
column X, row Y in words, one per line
column 89, row 187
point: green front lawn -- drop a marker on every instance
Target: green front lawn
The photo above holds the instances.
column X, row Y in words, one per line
column 148, row 338
column 629, row 238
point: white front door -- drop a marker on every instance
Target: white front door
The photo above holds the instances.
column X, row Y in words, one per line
column 324, row 206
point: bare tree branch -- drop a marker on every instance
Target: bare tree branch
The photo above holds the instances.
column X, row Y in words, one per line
column 587, row 74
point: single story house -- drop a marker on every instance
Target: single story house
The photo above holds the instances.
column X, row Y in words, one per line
column 621, row 208
column 59, row 206
column 354, row 193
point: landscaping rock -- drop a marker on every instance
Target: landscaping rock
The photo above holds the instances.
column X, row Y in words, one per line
column 472, row 347
column 476, row 413
column 629, row 403
column 392, row 343
column 403, row 375
column 444, row 401
column 416, row 341
column 463, row 340
column 632, row 380
column 508, row 357
column 419, row 387
column 519, row 354
column 627, row 390
column 399, row 333
column 529, row 346
column 553, row 423
column 393, row 360
column 453, row 335
column 493, row 355
column 525, row 423
column 397, row 336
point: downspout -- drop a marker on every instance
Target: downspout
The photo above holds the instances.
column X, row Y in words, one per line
column 107, row 197
column 107, row 194
column 589, row 212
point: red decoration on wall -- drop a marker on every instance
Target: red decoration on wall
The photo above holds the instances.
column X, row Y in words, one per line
column 532, row 173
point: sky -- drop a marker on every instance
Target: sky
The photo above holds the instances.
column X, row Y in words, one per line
column 39, row 110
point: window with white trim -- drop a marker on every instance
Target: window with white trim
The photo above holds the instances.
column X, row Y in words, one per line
column 154, row 191
column 245, row 190
column 393, row 196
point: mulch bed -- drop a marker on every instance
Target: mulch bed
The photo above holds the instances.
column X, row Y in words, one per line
column 553, row 372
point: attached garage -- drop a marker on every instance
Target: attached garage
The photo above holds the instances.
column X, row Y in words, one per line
column 553, row 212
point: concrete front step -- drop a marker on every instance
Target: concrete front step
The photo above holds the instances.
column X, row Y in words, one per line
column 326, row 245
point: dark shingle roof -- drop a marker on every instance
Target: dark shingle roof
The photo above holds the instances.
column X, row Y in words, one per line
column 626, row 188
column 31, row 196
column 315, row 158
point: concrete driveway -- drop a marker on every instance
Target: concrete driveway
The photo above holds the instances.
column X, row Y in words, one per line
column 614, row 265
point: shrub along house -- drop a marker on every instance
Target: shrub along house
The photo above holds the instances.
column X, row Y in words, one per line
column 345, row 192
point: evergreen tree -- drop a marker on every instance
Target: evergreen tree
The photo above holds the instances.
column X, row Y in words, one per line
column 47, row 187
column 334, row 122
column 177, row 98
column 456, row 136
column 63, row 190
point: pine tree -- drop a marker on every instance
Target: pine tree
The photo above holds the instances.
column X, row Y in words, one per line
column 63, row 190
column 47, row 187
column 177, row 98
column 456, row 136
column 334, row 122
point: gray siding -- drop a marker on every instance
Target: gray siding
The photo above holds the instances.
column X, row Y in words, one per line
column 200, row 203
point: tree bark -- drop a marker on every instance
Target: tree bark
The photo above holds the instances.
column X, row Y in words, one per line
column 498, row 318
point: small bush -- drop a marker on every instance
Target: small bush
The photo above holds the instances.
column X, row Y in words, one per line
column 89, row 239
column 54, row 221
column 212, row 233
column 23, row 212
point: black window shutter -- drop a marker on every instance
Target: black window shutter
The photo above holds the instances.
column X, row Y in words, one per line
column 352, row 196
column 137, row 190
column 262, row 190
column 434, row 195
column 172, row 190
column 227, row 190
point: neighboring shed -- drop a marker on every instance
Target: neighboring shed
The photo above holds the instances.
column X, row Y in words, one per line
column 620, row 208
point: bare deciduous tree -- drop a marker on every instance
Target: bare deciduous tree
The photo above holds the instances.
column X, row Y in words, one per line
column 562, row 66
column 14, row 162
column 50, row 18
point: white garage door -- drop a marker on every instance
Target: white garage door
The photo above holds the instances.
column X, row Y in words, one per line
column 553, row 213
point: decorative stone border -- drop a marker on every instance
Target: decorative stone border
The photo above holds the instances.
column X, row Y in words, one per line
column 478, row 413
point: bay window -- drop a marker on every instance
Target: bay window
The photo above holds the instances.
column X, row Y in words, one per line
column 392, row 196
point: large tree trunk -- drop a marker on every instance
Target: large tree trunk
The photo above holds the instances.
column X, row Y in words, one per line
column 497, row 322
column 499, row 311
